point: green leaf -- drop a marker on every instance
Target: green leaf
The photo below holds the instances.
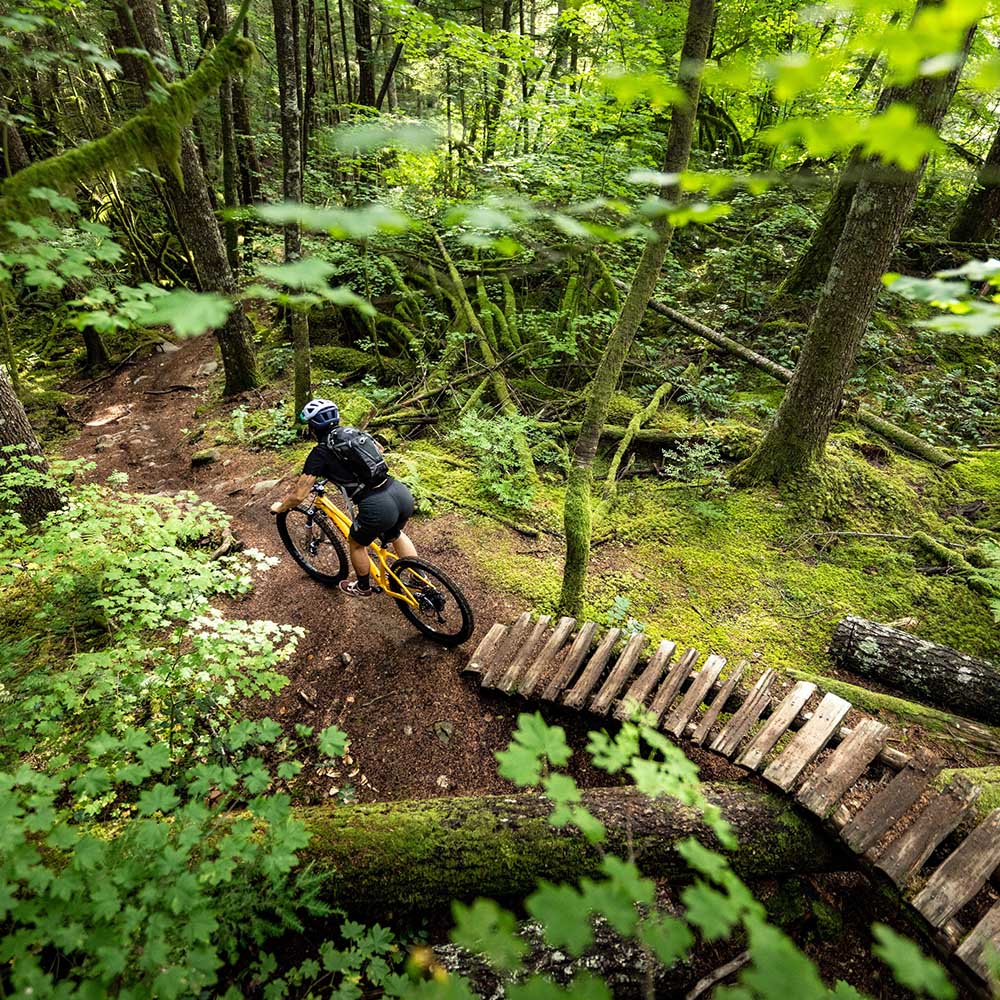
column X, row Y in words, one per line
column 564, row 916
column 709, row 910
column 332, row 742
column 310, row 272
column 667, row 937
column 534, row 743
column 910, row 967
column 159, row 798
column 779, row 969
column 487, row 929
column 188, row 313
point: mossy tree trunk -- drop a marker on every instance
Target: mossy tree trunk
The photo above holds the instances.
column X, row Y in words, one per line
column 34, row 500
column 419, row 855
column 577, row 513
column 192, row 207
column 291, row 145
column 879, row 209
column 978, row 217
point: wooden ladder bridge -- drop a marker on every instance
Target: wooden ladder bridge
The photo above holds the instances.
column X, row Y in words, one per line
column 876, row 799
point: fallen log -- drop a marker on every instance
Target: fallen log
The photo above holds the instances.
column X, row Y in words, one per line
column 917, row 667
column 733, row 440
column 417, row 855
column 890, row 431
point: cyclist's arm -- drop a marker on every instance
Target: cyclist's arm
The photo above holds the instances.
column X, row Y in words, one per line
column 299, row 492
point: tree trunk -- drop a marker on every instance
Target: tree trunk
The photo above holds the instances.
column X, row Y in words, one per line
column 931, row 97
column 918, row 668
column 347, row 53
column 219, row 25
column 15, row 156
column 495, row 106
column 34, row 501
column 978, row 218
column 333, row 61
column 880, row 207
column 365, row 52
column 97, row 353
column 291, row 138
column 193, row 212
column 309, row 90
column 577, row 513
column 246, row 146
column 418, row 855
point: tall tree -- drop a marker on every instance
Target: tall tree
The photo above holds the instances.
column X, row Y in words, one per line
column 291, row 146
column 810, row 270
column 879, row 209
column 978, row 217
column 365, row 52
column 192, row 209
column 35, row 500
column 577, row 512
column 495, row 104
column 218, row 18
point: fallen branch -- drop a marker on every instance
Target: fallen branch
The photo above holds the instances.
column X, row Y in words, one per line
column 173, row 388
column 903, row 439
column 522, row 529
column 707, row 982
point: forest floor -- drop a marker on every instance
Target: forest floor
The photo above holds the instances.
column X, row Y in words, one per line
column 417, row 728
column 399, row 697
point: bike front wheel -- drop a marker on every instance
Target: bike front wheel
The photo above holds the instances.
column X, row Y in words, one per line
column 314, row 544
column 442, row 613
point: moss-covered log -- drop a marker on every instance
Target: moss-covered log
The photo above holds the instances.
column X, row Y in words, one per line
column 418, row 855
column 916, row 667
column 734, row 441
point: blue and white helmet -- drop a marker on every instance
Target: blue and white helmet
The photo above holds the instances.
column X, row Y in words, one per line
column 321, row 415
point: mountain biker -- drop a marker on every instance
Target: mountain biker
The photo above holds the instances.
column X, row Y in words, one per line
column 352, row 459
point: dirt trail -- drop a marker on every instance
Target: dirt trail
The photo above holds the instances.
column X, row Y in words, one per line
column 399, row 695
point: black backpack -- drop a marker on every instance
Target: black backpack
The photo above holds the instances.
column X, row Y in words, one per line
column 358, row 451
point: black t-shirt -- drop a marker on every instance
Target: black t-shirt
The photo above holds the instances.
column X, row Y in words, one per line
column 323, row 464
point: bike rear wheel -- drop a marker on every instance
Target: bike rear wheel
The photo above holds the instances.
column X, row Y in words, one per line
column 314, row 544
column 444, row 614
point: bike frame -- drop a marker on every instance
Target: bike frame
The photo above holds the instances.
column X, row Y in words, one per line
column 382, row 575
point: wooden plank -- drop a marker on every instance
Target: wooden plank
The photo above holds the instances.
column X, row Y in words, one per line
column 550, row 650
column 575, row 697
column 745, row 716
column 718, row 704
column 569, row 666
column 908, row 852
column 775, row 727
column 507, row 650
column 808, row 742
column 672, row 683
column 701, row 684
column 524, row 655
column 644, row 683
column 843, row 767
column 488, row 645
column 963, row 873
column 874, row 820
column 620, row 673
column 972, row 949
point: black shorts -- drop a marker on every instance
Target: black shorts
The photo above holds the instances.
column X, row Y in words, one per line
column 382, row 514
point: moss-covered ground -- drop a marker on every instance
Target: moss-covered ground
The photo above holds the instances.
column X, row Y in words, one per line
column 752, row 573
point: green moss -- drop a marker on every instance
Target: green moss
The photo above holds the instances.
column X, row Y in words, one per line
column 622, row 408
column 347, row 360
column 42, row 407
column 988, row 778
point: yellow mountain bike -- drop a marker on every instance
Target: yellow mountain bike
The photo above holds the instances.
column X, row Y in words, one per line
column 314, row 534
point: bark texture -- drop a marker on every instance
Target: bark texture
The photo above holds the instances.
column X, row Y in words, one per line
column 978, row 218
column 422, row 854
column 577, row 513
column 365, row 52
column 35, row 501
column 918, row 668
column 192, row 209
column 879, row 209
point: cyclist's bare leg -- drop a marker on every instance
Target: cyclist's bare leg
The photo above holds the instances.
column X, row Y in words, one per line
column 403, row 547
column 359, row 558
